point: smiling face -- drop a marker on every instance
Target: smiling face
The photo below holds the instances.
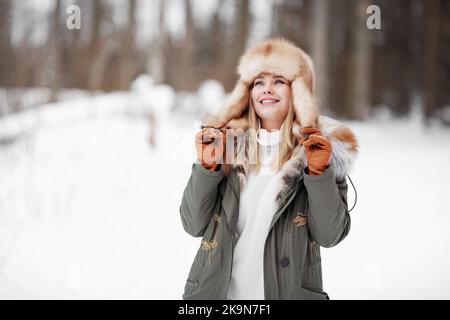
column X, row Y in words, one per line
column 271, row 97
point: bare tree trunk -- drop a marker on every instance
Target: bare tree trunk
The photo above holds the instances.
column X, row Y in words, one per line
column 187, row 81
column 319, row 50
column 239, row 40
column 444, row 49
column 431, row 55
column 339, row 38
column 243, row 25
column 129, row 56
column 292, row 21
column 55, row 56
column 359, row 89
column 216, row 36
column 158, row 60
column 95, row 79
column 76, row 65
column 6, row 50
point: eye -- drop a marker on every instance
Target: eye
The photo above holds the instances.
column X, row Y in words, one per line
column 278, row 81
column 258, row 82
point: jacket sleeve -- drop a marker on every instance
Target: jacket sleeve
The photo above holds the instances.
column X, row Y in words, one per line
column 328, row 217
column 199, row 198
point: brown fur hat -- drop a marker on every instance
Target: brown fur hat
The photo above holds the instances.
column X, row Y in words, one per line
column 280, row 57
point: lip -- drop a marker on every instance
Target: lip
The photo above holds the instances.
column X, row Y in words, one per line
column 268, row 101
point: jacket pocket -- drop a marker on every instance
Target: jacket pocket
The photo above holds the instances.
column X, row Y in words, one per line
column 310, row 294
column 189, row 288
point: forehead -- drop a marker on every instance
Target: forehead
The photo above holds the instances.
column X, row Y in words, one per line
column 268, row 75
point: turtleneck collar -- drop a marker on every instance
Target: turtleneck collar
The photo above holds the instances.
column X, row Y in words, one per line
column 269, row 143
column 267, row 138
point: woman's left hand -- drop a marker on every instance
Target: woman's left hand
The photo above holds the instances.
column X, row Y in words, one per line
column 318, row 151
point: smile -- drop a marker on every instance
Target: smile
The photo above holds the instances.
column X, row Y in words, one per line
column 268, row 102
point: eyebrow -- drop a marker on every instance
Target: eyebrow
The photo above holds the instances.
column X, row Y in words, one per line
column 276, row 77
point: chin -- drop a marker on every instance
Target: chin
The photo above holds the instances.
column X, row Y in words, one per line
column 270, row 113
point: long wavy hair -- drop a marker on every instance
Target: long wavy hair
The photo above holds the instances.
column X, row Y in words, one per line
column 247, row 152
column 288, row 140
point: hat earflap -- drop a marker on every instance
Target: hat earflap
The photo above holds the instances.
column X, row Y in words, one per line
column 305, row 106
column 236, row 104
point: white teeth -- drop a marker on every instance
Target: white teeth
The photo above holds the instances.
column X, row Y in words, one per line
column 268, row 101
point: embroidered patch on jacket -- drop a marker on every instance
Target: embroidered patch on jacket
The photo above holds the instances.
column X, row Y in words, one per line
column 208, row 245
column 300, row 220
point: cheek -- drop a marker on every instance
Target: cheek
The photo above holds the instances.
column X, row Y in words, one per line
column 284, row 108
column 255, row 94
column 285, row 94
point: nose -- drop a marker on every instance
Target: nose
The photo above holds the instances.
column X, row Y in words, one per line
column 268, row 87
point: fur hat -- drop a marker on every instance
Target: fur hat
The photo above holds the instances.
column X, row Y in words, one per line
column 280, row 57
column 283, row 58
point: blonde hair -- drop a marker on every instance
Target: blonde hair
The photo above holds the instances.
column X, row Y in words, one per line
column 246, row 148
column 288, row 140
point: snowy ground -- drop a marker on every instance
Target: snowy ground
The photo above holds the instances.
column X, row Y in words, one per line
column 399, row 244
column 88, row 209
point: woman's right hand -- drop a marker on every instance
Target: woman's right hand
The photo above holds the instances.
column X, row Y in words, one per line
column 210, row 146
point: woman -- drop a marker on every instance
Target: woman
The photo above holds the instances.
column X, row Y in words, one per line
column 263, row 216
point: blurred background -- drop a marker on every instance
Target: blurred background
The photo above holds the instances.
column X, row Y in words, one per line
column 100, row 100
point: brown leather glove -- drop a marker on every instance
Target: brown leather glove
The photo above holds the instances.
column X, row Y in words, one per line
column 210, row 146
column 318, row 151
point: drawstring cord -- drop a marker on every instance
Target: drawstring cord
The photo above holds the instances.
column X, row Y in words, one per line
column 356, row 194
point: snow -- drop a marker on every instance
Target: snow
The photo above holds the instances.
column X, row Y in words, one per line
column 27, row 98
column 211, row 95
column 398, row 245
column 88, row 209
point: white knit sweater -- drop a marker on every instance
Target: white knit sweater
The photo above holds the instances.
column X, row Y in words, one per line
column 256, row 209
